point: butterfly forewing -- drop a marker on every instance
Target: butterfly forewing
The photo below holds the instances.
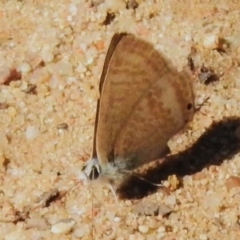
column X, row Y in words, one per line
column 114, row 42
column 143, row 103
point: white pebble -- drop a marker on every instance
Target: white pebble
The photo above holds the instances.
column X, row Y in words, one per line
column 70, row 80
column 15, row 234
column 89, row 61
column 161, row 229
column 54, row 82
column 170, row 200
column 47, row 56
column 73, row 9
column 24, row 67
column 143, row 228
column 83, row 47
column 115, row 5
column 81, row 68
column 12, row 112
column 69, row 18
column 81, row 230
column 117, row 219
column 32, row 132
column 203, row 237
column 64, row 67
column 63, row 226
column 179, row 141
column 211, row 41
column 187, row 38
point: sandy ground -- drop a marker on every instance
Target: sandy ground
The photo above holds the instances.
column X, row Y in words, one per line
column 51, row 57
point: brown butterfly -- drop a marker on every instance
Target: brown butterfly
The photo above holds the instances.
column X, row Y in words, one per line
column 143, row 102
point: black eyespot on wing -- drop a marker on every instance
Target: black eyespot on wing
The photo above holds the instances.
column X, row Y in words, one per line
column 189, row 106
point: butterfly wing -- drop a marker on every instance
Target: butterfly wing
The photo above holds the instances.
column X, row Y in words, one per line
column 143, row 103
column 114, row 43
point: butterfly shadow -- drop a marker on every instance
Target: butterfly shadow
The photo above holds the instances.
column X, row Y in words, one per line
column 218, row 143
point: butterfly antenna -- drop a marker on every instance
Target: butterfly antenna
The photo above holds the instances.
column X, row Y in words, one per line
column 199, row 106
column 143, row 179
column 92, row 199
column 92, row 203
column 92, row 224
column 114, row 193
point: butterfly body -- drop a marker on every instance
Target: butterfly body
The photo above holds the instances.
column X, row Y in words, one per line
column 143, row 102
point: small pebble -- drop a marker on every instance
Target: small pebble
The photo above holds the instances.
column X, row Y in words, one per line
column 117, row 219
column 31, row 132
column 146, row 208
column 211, row 41
column 30, row 88
column 203, row 237
column 15, row 234
column 232, row 182
column 12, row 112
column 73, row 9
column 63, row 226
column 170, row 200
column 143, row 228
column 8, row 75
column 205, row 76
column 47, row 56
column 64, row 67
column 3, row 105
column 132, row 4
column 161, row 229
column 24, row 67
column 80, row 231
column 62, row 126
column 115, row 5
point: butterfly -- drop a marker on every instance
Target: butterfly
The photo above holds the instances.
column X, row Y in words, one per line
column 143, row 102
